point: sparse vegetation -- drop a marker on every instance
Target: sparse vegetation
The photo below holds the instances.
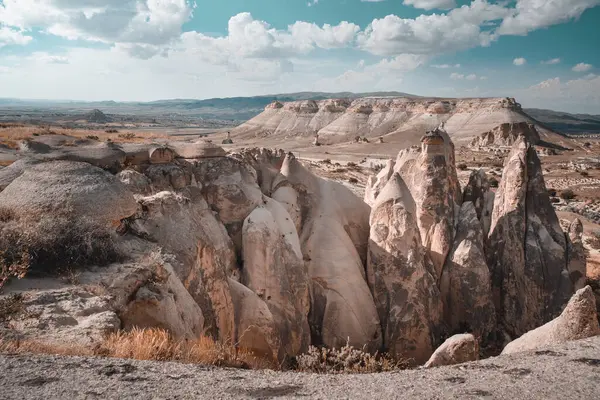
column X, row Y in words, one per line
column 552, row 192
column 584, row 173
column 127, row 136
column 92, row 137
column 49, row 244
column 346, row 360
column 9, row 306
column 111, row 131
column 326, row 161
column 462, row 167
column 353, row 180
column 494, row 183
column 152, row 344
column 567, row 194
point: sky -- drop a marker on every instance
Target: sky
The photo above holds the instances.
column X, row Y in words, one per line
column 545, row 53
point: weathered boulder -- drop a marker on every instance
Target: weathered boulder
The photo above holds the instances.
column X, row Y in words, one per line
column 334, row 233
column 375, row 184
column 507, row 134
column 577, row 258
column 577, row 321
column 465, row 285
column 66, row 186
column 136, row 182
column 275, row 271
column 478, row 192
column 184, row 226
column 405, row 292
column 526, row 249
column 150, row 295
column 257, row 330
column 458, row 349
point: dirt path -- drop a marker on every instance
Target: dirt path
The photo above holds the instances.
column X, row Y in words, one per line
column 571, row 371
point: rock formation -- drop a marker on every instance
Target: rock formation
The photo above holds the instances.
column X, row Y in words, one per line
column 506, row 135
column 465, row 285
column 577, row 258
column 458, row 349
column 405, row 292
column 527, row 249
column 577, row 321
column 477, row 191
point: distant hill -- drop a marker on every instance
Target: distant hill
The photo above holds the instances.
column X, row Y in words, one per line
column 566, row 123
column 97, row 117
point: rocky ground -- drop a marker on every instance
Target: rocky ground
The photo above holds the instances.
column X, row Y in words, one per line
column 569, row 371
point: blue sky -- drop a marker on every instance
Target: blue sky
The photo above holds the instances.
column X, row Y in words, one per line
column 544, row 53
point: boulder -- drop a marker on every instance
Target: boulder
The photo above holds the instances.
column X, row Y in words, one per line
column 275, row 271
column 577, row 257
column 465, row 285
column 577, row 321
column 458, row 349
column 67, row 186
column 526, row 247
column 405, row 292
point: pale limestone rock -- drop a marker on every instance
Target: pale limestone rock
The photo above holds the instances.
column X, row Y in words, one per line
column 577, row 258
column 256, row 327
column 168, row 177
column 465, row 285
column 526, row 248
column 275, row 271
column 184, row 226
column 478, row 192
column 376, row 183
column 136, row 182
column 334, row 238
column 74, row 187
column 197, row 149
column 458, row 349
column 405, row 293
column 577, row 321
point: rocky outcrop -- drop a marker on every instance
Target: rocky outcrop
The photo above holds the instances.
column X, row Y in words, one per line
column 458, row 349
column 333, row 235
column 375, row 184
column 275, row 271
column 340, row 120
column 577, row 321
column 65, row 186
column 507, row 135
column 405, row 292
column 477, row 191
column 577, row 259
column 527, row 249
column 465, row 285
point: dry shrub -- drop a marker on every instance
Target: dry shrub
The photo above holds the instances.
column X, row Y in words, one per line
column 567, row 194
column 51, row 243
column 346, row 360
column 127, row 136
column 151, row 345
column 10, row 305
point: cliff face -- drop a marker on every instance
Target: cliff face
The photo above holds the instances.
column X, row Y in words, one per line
column 338, row 120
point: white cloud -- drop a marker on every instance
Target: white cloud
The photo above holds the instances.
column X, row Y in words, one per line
column 13, row 37
column 552, row 61
column 530, row 15
column 444, row 66
column 46, row 58
column 519, row 61
column 581, row 95
column 431, row 4
column 432, row 34
column 582, row 67
column 471, row 77
column 455, row 76
column 133, row 22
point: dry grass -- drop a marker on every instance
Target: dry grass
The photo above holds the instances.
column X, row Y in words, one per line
column 10, row 134
column 151, row 345
column 347, row 360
